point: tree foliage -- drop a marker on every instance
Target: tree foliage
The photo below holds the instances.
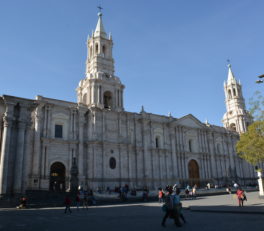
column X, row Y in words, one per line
column 251, row 144
column 257, row 106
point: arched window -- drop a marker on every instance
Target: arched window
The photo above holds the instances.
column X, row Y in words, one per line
column 218, row 148
column 108, row 100
column 112, row 163
column 96, row 48
column 190, row 145
column 229, row 94
column 104, row 50
column 234, row 91
column 233, row 127
column 157, row 142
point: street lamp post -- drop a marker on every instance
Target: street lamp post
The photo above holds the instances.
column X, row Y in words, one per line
column 260, row 79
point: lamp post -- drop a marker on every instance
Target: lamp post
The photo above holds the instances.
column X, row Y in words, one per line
column 260, row 79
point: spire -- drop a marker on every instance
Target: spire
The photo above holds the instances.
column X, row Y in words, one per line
column 99, row 31
column 231, row 77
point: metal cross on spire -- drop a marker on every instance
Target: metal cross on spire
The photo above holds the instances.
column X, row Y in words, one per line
column 100, row 8
column 228, row 63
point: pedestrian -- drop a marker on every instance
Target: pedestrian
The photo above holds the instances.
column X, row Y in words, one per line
column 236, row 186
column 145, row 194
column 23, row 203
column 228, row 189
column 170, row 210
column 161, row 195
column 67, row 203
column 194, row 191
column 85, row 200
column 78, row 200
column 241, row 196
column 178, row 204
column 187, row 190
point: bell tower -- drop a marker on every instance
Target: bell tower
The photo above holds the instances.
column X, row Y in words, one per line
column 236, row 118
column 100, row 88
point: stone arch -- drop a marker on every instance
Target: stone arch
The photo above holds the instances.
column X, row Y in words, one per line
column 234, row 92
column 229, row 94
column 57, row 177
column 232, row 127
column 108, row 100
column 157, row 142
column 104, row 50
column 190, row 143
column 194, row 175
column 96, row 48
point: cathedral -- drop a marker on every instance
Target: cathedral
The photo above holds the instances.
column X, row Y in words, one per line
column 44, row 141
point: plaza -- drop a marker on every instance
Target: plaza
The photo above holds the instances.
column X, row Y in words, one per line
column 206, row 213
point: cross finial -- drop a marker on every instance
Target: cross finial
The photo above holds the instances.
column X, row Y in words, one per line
column 228, row 63
column 100, row 8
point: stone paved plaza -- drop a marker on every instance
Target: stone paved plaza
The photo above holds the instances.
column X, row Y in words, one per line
column 139, row 216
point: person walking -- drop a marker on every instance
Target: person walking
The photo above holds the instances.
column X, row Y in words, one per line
column 161, row 195
column 178, row 204
column 67, row 203
column 23, row 203
column 78, row 200
column 241, row 197
column 194, row 191
column 170, row 208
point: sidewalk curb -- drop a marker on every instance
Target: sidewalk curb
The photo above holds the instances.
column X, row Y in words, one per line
column 224, row 211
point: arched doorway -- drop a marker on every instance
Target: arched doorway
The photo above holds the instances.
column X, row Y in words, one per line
column 194, row 176
column 57, row 177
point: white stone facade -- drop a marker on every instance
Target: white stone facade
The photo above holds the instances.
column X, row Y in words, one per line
column 112, row 147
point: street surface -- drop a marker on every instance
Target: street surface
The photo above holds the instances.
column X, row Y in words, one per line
column 137, row 217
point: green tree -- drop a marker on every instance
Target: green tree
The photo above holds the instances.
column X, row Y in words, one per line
column 257, row 106
column 251, row 144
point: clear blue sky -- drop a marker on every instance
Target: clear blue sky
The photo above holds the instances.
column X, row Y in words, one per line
column 170, row 54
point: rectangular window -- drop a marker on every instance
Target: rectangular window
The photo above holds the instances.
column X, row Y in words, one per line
column 58, row 131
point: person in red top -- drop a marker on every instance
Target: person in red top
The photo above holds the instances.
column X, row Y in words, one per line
column 161, row 195
column 67, row 203
column 240, row 196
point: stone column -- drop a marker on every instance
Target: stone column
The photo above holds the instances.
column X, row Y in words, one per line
column 213, row 159
column 173, row 153
column 4, row 161
column 121, row 99
column 37, row 146
column 19, row 157
column 27, row 161
column 146, row 161
column 80, row 145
